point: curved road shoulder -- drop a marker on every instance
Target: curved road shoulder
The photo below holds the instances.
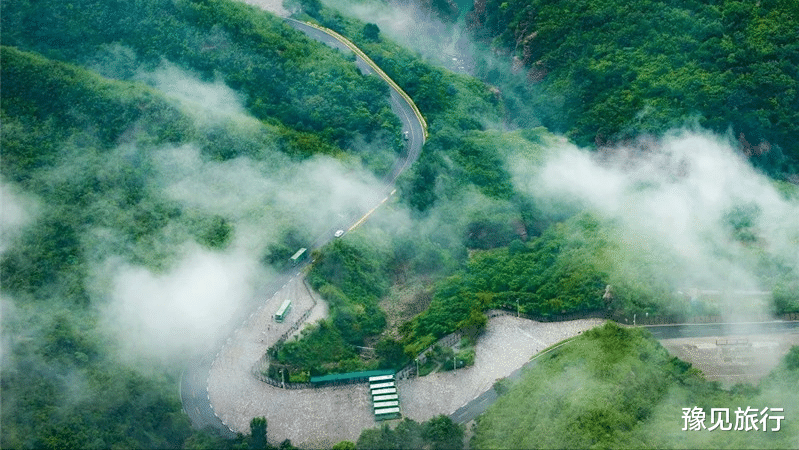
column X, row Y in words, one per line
column 371, row 64
column 196, row 378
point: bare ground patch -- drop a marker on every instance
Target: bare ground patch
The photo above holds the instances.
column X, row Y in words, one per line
column 733, row 359
column 404, row 302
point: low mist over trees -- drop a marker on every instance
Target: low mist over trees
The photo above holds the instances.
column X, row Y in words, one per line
column 268, row 63
column 122, row 159
column 163, row 159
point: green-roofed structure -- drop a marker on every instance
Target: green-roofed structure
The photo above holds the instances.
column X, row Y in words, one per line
column 347, row 378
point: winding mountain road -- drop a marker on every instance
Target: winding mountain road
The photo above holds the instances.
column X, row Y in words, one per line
column 219, row 391
column 226, row 367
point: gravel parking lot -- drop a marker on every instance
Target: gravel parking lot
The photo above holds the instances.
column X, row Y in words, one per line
column 506, row 345
column 733, row 359
column 315, row 418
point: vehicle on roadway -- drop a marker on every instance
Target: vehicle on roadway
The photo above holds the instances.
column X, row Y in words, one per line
column 406, row 135
column 338, row 233
column 281, row 313
column 299, row 256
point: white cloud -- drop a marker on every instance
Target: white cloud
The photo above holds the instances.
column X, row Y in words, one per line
column 165, row 315
column 16, row 211
column 675, row 194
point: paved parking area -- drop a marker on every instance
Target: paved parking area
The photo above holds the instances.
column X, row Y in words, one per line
column 318, row 418
column 506, row 345
column 733, row 359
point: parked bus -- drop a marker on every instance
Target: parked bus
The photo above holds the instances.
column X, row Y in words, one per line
column 387, row 384
column 387, row 413
column 389, row 404
column 283, row 311
column 382, row 398
column 381, row 378
column 391, row 390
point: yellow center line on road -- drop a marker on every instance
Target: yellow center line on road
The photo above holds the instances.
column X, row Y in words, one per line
column 366, row 216
column 376, row 68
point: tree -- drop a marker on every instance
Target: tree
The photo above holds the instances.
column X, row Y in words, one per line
column 371, row 32
column 258, row 433
column 344, row 445
column 390, row 353
column 442, row 433
column 217, row 233
column 377, row 438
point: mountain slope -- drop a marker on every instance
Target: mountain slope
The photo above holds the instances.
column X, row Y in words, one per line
column 616, row 69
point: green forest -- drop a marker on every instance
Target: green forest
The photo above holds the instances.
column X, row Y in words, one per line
column 98, row 135
column 569, row 258
column 82, row 134
column 607, row 71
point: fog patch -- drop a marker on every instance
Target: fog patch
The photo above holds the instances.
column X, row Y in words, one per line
column 412, row 27
column 205, row 101
column 16, row 211
column 682, row 193
column 181, row 307
column 263, row 199
column 166, row 315
column 10, row 331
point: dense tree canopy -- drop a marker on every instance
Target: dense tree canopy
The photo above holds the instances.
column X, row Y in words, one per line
column 613, row 69
column 81, row 135
column 284, row 77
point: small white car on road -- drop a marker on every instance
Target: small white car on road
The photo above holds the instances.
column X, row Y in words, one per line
column 339, row 233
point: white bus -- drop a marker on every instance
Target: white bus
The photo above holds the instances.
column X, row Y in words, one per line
column 283, row 311
column 385, row 391
column 380, row 378
column 390, row 404
column 299, row 256
column 387, row 413
column 382, row 398
column 382, row 385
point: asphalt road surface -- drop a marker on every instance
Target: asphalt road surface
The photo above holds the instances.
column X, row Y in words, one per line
column 720, row 329
column 480, row 404
column 194, row 380
column 401, row 108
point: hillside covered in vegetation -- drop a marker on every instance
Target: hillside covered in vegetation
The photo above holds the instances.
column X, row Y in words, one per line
column 144, row 143
column 607, row 71
column 617, row 387
column 162, row 159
